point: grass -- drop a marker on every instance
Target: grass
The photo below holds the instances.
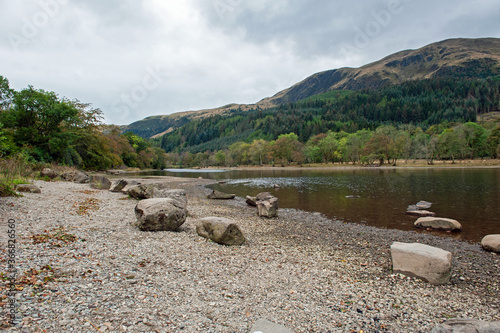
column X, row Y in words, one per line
column 14, row 171
column 18, row 170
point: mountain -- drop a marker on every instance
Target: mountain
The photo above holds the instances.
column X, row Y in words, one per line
column 463, row 58
column 453, row 58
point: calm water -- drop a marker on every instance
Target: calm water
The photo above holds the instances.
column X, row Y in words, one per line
column 471, row 196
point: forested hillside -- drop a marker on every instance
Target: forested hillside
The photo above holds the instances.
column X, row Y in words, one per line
column 419, row 103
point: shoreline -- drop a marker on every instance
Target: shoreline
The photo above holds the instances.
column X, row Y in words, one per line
column 301, row 270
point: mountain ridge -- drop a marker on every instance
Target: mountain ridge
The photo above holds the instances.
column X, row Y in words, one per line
column 458, row 57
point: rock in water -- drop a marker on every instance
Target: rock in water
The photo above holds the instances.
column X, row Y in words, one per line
column 491, row 243
column 217, row 195
column 460, row 325
column 424, row 205
column 220, row 230
column 420, row 213
column 161, row 214
column 28, row 188
column 268, row 207
column 438, row 223
column 100, row 183
column 425, row 262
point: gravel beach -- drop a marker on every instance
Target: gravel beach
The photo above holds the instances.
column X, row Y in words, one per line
column 83, row 268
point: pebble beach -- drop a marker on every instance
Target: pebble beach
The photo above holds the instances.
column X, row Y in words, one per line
column 82, row 267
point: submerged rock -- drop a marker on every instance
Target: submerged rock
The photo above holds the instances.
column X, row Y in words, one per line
column 424, row 205
column 217, row 195
column 420, row 213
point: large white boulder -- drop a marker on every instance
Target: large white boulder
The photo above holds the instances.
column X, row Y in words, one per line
column 491, row 243
column 161, row 214
column 423, row 261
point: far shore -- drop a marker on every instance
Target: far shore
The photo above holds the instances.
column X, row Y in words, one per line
column 411, row 164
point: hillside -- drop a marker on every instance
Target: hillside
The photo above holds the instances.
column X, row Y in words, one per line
column 462, row 58
column 453, row 58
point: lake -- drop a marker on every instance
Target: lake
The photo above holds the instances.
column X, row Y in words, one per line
column 470, row 196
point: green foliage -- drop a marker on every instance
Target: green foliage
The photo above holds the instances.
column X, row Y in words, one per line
column 46, row 128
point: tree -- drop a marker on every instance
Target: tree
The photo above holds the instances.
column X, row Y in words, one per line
column 258, row 151
column 6, row 94
column 354, row 145
column 41, row 121
column 240, row 153
column 493, row 143
column 285, row 146
column 450, row 144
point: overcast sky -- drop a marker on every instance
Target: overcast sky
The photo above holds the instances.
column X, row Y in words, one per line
column 137, row 58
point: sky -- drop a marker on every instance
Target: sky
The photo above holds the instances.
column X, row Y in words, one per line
column 138, row 58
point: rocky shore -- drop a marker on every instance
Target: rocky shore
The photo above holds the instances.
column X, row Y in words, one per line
column 82, row 267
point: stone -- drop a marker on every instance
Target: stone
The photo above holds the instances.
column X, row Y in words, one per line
column 142, row 191
column 439, row 223
column 252, row 201
column 423, row 205
column 467, row 326
column 268, row 207
column 130, row 184
column 100, row 182
column 80, row 178
column 160, row 214
column 75, row 176
column 428, row 263
column 491, row 243
column 28, row 188
column 220, row 230
column 178, row 195
column 118, row 185
column 217, row 195
column 420, row 213
column 49, row 173
column 266, row 326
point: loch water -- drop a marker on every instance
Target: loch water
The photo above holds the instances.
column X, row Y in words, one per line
column 375, row 196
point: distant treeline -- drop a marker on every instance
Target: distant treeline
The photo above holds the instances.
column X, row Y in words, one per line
column 38, row 126
column 420, row 103
column 385, row 144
